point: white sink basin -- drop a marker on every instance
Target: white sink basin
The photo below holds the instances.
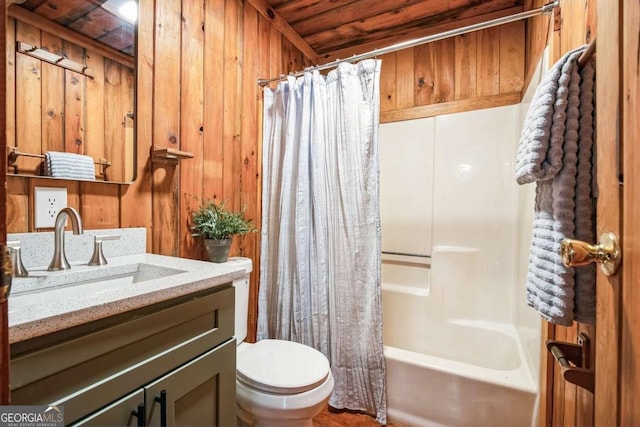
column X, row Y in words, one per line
column 48, row 301
column 61, row 286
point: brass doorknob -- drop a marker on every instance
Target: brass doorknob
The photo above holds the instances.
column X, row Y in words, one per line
column 576, row 253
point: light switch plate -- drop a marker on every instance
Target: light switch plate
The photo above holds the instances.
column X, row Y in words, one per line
column 48, row 201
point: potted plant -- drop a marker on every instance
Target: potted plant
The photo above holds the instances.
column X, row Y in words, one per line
column 217, row 225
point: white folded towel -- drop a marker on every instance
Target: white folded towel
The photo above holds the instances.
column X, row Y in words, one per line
column 557, row 152
column 69, row 165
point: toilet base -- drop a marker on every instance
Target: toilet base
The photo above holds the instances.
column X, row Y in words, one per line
column 257, row 408
column 246, row 420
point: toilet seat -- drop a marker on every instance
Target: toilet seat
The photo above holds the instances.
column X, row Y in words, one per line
column 281, row 367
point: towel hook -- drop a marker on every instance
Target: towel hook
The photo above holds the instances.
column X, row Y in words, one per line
column 576, row 253
column 574, row 361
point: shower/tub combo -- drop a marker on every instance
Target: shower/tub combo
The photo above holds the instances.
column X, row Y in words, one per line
column 460, row 344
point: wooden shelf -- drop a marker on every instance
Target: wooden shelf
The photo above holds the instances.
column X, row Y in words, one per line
column 169, row 156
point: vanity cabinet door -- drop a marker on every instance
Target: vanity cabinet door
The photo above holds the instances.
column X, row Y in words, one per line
column 126, row 412
column 200, row 393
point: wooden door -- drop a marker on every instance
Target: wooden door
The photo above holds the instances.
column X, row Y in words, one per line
column 4, row 328
column 617, row 335
column 629, row 61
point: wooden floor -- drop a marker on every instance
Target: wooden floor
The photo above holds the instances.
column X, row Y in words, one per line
column 330, row 417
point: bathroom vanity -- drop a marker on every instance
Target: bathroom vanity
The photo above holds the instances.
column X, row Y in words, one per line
column 145, row 341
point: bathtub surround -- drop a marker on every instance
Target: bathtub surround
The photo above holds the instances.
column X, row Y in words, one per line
column 455, row 340
column 320, row 256
column 556, row 151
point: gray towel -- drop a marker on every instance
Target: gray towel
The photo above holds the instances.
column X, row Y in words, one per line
column 556, row 151
column 69, row 165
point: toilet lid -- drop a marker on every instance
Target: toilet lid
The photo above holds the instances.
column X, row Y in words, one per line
column 283, row 367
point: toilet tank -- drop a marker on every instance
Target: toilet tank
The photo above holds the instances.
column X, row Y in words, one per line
column 242, row 297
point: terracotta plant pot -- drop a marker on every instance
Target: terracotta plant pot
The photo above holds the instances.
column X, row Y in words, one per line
column 218, row 249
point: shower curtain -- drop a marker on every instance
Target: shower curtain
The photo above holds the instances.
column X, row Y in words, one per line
column 320, row 256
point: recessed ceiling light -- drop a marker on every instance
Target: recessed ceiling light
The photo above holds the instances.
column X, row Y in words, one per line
column 125, row 9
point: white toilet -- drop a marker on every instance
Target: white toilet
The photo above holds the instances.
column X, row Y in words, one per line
column 278, row 383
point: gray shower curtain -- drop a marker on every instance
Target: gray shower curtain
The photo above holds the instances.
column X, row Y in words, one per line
column 320, row 258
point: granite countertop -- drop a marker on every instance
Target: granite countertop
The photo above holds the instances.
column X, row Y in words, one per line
column 48, row 302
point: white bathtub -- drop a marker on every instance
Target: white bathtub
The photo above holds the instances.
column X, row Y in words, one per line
column 444, row 371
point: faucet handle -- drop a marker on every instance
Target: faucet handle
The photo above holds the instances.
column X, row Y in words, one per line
column 98, row 257
column 16, row 259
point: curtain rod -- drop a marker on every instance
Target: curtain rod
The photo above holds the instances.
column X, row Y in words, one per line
column 544, row 10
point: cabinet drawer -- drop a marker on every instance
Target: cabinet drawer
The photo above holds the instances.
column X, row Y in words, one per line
column 109, row 362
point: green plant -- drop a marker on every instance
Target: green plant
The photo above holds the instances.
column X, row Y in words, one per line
column 214, row 221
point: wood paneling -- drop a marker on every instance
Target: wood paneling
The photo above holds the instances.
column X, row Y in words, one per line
column 118, row 102
column 5, row 395
column 166, row 125
column 466, row 60
column 434, row 73
column 214, row 107
column 630, row 381
column 477, row 70
column 52, row 109
column 388, row 84
column 191, row 120
column 511, row 57
column 96, row 123
column 404, row 78
column 17, row 204
column 459, row 106
column 136, row 208
column 609, row 292
column 99, row 204
column 488, row 71
column 232, row 95
column 61, row 110
column 28, row 90
column 10, row 84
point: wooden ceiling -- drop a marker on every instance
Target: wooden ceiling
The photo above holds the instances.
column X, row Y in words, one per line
column 86, row 17
column 323, row 29
column 341, row 28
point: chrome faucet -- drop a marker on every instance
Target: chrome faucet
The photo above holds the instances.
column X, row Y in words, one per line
column 59, row 261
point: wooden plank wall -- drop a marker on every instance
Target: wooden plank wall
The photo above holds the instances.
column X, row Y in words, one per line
column 477, row 70
column 630, row 336
column 197, row 68
column 61, row 110
column 5, row 395
column 574, row 24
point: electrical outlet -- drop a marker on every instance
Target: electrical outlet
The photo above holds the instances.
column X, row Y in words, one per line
column 48, row 202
